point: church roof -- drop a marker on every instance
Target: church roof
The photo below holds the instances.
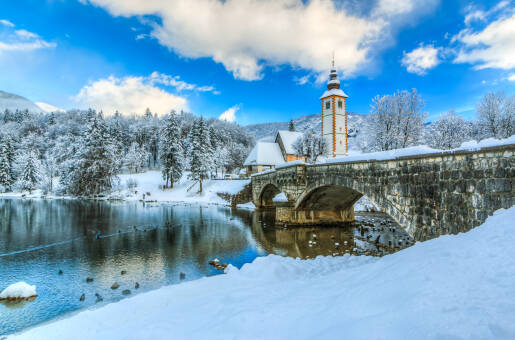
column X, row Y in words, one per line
column 265, row 154
column 334, row 92
column 288, row 138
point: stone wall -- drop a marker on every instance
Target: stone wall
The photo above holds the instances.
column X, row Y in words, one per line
column 428, row 195
column 244, row 196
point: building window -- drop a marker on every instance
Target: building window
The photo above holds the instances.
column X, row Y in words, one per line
column 340, row 104
column 327, row 105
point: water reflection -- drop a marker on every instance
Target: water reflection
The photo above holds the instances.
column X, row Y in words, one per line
column 153, row 244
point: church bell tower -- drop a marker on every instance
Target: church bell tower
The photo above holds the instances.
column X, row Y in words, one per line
column 334, row 116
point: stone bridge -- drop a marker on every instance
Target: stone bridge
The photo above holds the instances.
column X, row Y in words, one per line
column 428, row 195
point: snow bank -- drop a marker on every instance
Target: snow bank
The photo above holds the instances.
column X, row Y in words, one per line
column 280, row 197
column 247, row 206
column 365, row 204
column 150, row 182
column 19, row 290
column 453, row 287
column 419, row 150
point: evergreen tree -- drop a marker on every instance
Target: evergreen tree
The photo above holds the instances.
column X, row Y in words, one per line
column 96, row 166
column 200, row 157
column 29, row 177
column 171, row 151
column 6, row 177
column 136, row 157
column 291, row 126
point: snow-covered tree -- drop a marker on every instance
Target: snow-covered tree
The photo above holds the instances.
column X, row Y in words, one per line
column 311, row 145
column 448, row 132
column 171, row 151
column 94, row 169
column 397, row 120
column 6, row 164
column 29, row 175
column 200, row 153
column 6, row 175
column 136, row 157
column 49, row 168
column 497, row 115
column 291, row 125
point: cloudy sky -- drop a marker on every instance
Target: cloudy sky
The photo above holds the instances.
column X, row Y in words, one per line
column 254, row 61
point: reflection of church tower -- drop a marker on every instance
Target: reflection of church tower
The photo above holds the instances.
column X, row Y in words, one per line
column 334, row 116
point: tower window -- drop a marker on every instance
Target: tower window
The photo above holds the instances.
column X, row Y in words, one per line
column 340, row 104
column 327, row 105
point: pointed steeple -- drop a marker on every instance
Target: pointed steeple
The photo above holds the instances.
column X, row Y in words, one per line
column 334, row 82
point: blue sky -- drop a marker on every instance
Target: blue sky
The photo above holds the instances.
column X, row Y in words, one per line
column 255, row 60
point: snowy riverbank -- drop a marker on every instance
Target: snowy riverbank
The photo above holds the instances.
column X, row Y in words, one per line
column 457, row 286
column 184, row 191
column 147, row 186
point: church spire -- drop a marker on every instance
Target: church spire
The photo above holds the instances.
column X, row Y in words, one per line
column 334, row 82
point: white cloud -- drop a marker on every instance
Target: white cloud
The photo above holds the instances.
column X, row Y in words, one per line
column 26, row 34
column 302, row 80
column 21, row 40
column 6, row 23
column 142, row 36
column 492, row 47
column 48, row 107
column 474, row 14
column 247, row 35
column 229, row 115
column 25, row 46
column 180, row 85
column 511, row 77
column 129, row 95
column 421, row 59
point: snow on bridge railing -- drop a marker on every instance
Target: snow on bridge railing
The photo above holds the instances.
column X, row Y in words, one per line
column 419, row 150
column 280, row 166
column 292, row 163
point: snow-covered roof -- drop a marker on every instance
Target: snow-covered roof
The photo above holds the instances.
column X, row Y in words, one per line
column 334, row 92
column 265, row 154
column 288, row 138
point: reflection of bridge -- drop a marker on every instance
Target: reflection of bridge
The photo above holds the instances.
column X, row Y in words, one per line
column 428, row 195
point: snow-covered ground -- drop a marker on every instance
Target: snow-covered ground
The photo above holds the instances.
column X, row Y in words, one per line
column 152, row 182
column 453, row 287
column 183, row 191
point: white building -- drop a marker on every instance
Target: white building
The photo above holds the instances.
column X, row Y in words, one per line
column 334, row 116
column 266, row 155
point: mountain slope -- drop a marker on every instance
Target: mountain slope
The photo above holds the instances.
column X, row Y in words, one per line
column 14, row 102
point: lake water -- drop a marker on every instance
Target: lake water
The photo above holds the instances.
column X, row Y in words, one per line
column 153, row 244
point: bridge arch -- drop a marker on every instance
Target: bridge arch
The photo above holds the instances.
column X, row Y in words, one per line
column 328, row 197
column 268, row 192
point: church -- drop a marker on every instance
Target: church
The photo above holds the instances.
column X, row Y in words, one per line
column 267, row 155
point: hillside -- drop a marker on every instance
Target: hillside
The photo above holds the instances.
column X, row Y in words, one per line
column 357, row 125
column 14, row 102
